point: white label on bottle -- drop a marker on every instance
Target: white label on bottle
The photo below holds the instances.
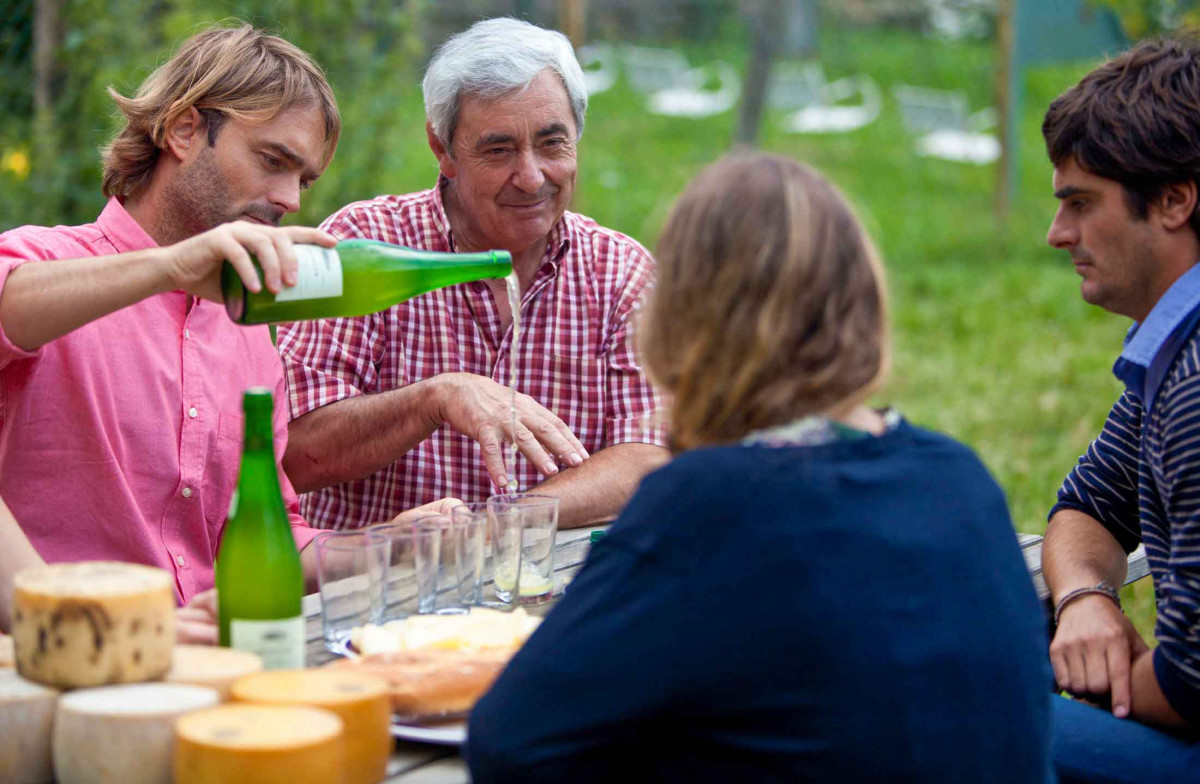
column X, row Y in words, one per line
column 280, row 642
column 319, row 274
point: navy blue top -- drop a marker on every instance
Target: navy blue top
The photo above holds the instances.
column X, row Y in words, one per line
column 857, row 611
column 1140, row 479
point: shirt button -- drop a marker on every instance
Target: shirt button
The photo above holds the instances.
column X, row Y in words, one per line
column 193, row 413
column 478, row 286
column 179, row 560
column 186, row 334
column 187, row 492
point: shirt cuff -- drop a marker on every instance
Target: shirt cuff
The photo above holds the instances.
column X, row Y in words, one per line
column 8, row 350
column 1183, row 695
column 302, row 533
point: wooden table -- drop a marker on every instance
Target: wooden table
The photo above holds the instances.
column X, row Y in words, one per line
column 415, row 763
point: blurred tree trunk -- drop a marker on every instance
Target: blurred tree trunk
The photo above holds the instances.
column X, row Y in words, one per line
column 47, row 38
column 766, row 22
column 572, row 16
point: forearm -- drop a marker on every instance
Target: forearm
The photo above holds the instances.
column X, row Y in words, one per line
column 356, row 437
column 598, row 489
column 1080, row 552
column 45, row 300
column 1149, row 704
column 16, row 553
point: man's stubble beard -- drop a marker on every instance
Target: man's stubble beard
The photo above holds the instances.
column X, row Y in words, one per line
column 196, row 199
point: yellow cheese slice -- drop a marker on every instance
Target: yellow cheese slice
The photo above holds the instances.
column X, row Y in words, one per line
column 6, row 652
column 206, row 665
column 362, row 702
column 122, row 733
column 479, row 630
column 264, row 744
column 26, row 723
column 93, row 623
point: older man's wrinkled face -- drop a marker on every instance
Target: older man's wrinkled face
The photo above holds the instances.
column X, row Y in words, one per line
column 512, row 163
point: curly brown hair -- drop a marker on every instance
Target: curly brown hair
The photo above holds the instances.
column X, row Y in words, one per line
column 770, row 302
column 223, row 72
column 1134, row 120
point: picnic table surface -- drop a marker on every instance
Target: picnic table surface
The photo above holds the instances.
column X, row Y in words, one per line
column 417, row 763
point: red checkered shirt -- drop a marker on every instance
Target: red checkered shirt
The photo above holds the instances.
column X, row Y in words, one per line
column 576, row 354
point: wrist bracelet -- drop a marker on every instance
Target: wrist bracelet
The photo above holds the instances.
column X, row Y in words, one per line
column 1102, row 588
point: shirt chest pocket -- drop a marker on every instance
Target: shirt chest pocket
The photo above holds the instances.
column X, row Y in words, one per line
column 574, row 388
column 221, row 471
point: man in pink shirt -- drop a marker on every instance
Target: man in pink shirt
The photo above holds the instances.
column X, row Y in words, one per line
column 121, row 376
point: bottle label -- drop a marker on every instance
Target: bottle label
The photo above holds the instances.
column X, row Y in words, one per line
column 279, row 641
column 319, row 275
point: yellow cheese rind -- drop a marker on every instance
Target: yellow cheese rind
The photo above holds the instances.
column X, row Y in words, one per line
column 122, row 733
column 362, row 702
column 26, row 728
column 264, row 744
column 93, row 623
column 216, row 668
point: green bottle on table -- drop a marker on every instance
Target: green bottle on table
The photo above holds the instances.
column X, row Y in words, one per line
column 258, row 574
column 357, row 277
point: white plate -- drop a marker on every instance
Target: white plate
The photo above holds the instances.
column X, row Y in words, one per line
column 451, row 734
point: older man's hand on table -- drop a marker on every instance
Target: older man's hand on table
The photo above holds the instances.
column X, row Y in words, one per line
column 481, row 409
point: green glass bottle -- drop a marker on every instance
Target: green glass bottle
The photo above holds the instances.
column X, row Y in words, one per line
column 258, row 574
column 357, row 277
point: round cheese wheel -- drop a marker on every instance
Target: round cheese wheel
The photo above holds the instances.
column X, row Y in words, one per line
column 265, row 744
column 360, row 700
column 206, row 665
column 93, row 623
column 122, row 733
column 26, row 723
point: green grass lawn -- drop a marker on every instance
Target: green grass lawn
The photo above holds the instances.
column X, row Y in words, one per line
column 993, row 344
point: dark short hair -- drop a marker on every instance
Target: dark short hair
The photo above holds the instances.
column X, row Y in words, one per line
column 1134, row 120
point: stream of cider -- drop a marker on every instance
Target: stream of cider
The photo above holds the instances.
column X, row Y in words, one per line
column 513, row 285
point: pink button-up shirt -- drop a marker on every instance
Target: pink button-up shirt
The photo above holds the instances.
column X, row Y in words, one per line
column 122, row 439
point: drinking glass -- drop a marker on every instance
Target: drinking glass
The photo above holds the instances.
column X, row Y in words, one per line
column 529, row 523
column 411, row 573
column 351, row 568
column 469, row 531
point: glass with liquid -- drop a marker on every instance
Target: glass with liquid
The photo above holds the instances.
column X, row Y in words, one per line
column 525, row 526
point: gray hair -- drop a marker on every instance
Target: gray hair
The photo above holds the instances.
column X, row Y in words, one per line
column 493, row 58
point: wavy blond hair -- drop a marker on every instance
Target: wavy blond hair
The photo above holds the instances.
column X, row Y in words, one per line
column 223, row 72
column 770, row 302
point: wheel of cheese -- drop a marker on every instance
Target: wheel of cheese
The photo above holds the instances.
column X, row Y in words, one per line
column 360, row 700
column 264, row 744
column 207, row 665
column 26, row 723
column 122, row 733
column 93, row 623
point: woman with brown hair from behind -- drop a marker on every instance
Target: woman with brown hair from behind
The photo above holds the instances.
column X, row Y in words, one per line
column 813, row 589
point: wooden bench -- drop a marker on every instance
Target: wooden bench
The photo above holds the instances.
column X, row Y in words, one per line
column 1031, row 548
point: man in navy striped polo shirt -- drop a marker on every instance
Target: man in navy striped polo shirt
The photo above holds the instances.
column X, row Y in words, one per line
column 1125, row 144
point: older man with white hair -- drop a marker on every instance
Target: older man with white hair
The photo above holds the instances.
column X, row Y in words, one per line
column 414, row 403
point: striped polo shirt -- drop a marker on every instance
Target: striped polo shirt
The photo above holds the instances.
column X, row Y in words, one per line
column 1140, row 478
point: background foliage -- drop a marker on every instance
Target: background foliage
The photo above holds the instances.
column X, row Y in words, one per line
column 993, row 343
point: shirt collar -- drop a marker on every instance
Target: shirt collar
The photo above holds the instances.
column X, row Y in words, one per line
column 559, row 241
column 1151, row 345
column 122, row 230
